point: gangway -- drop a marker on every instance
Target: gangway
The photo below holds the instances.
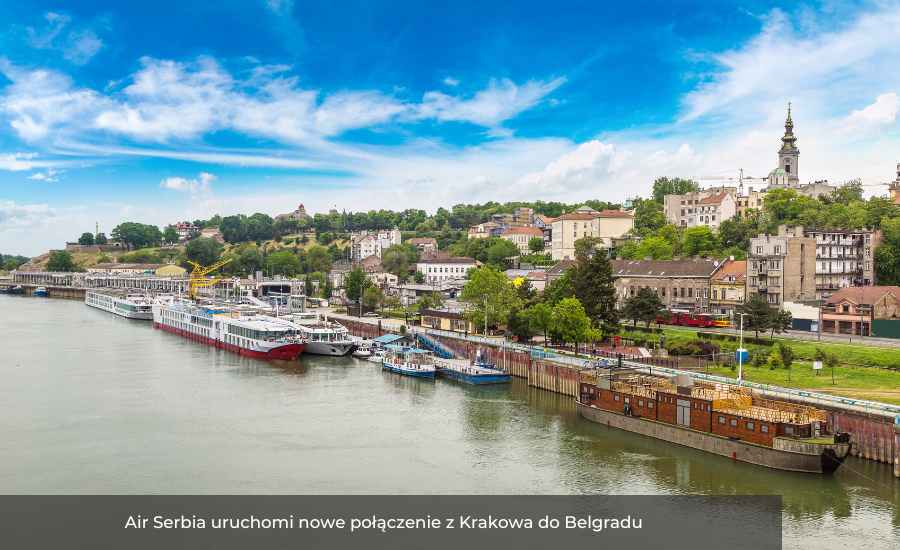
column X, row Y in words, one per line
column 436, row 346
column 256, row 301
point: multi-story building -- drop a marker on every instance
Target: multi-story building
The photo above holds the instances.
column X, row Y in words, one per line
column 299, row 213
column 545, row 223
column 388, row 237
column 680, row 284
column 895, row 186
column 442, row 270
column 850, row 311
column 712, row 211
column 782, row 267
column 184, row 230
column 728, row 287
column 364, row 245
column 521, row 237
column 520, row 217
column 484, row 230
column 587, row 222
column 752, row 200
column 424, row 244
column 843, row 258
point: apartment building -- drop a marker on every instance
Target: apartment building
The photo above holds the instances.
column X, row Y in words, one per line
column 680, row 284
column 445, row 269
column 728, row 287
column 521, row 217
column 782, row 267
column 484, row 230
column 843, row 258
column 712, row 211
column 521, row 237
column 587, row 222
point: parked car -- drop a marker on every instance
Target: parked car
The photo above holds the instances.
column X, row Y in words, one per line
column 370, row 314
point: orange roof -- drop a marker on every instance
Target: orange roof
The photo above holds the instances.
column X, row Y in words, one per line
column 524, row 231
column 577, row 216
column 713, row 199
column 735, row 268
column 545, row 219
column 867, row 295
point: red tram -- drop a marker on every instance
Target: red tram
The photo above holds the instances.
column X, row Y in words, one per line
column 687, row 318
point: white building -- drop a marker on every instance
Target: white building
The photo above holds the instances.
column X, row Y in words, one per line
column 442, row 270
column 388, row 238
column 712, row 211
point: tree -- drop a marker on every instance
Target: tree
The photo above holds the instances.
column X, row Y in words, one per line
column 887, row 254
column 373, row 296
column 10, row 264
column 437, row 300
column 60, row 260
column 787, row 357
column 517, row 323
column 645, row 306
column 571, row 324
column 780, row 321
column 318, row 259
column 251, row 258
column 831, row 361
column 100, row 239
column 648, row 216
column 393, row 302
column 419, row 277
column 758, row 314
column 699, row 241
column 137, row 235
column 540, row 316
column 170, row 235
column 328, row 289
column 397, row 259
column 233, row 265
column 355, row 279
column 489, row 287
column 86, row 239
column 203, row 250
column 536, row 244
column 675, row 186
column 758, row 360
column 592, row 283
column 139, row 257
column 283, row 263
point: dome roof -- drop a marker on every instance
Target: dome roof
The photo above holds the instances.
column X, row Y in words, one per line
column 777, row 171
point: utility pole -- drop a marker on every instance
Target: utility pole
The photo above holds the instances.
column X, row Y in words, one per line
column 485, row 315
column 359, row 302
column 741, row 350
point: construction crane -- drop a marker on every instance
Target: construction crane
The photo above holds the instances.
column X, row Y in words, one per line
column 199, row 278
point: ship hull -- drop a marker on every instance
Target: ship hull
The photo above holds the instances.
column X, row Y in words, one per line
column 474, row 379
column 286, row 352
column 334, row 349
column 408, row 372
column 826, row 461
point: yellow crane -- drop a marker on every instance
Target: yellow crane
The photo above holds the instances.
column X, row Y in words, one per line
column 199, row 278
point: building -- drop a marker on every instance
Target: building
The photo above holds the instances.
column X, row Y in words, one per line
column 851, row 309
column 424, row 244
column 521, row 237
column 894, row 187
column 680, row 284
column 134, row 269
column 442, row 270
column 559, row 270
column 446, row 320
column 587, row 222
column 782, row 267
column 610, row 225
column 520, row 217
column 388, row 238
column 843, row 258
column 299, row 213
column 712, row 211
column 483, row 230
column 184, row 230
column 753, row 200
column 727, row 287
column 364, row 245
column 380, row 277
column 370, row 262
column 545, row 223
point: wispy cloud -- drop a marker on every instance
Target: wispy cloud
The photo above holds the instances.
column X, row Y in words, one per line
column 14, row 216
column 17, row 161
column 79, row 47
column 196, row 187
column 450, row 81
column 877, row 117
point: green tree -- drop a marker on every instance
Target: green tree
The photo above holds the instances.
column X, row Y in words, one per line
column 60, row 260
column 419, row 277
column 137, row 235
column 536, row 244
column 139, row 257
column 373, row 296
column 393, row 303
column 203, row 250
column 774, row 361
column 787, row 357
column 233, row 266
column 170, row 235
column 10, row 264
column 86, row 239
column 355, row 279
column 699, row 241
column 318, row 259
column 489, row 287
column 887, row 254
column 100, row 239
column 397, row 259
column 758, row 359
column 327, row 289
column 645, row 306
column 540, row 317
column 283, row 263
column 758, row 314
column 675, row 186
column 251, row 258
column 571, row 324
column 593, row 284
column 648, row 216
column 518, row 324
column 780, row 321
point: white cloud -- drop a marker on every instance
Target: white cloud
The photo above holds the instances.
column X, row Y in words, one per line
column 196, row 187
column 80, row 46
column 876, row 117
column 280, row 7
column 449, row 81
column 43, row 40
column 37, row 176
column 17, row 161
column 590, row 165
column 14, row 216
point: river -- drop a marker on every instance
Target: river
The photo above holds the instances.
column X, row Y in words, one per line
column 92, row 403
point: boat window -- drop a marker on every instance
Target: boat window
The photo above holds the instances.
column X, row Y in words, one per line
column 764, row 429
column 617, row 398
column 749, row 425
column 734, row 421
column 641, row 402
column 789, row 430
column 650, row 404
column 628, row 400
column 721, row 420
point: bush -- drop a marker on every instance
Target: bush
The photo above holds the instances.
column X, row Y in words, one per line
column 402, row 329
column 288, row 240
column 697, row 347
column 277, row 238
column 775, row 361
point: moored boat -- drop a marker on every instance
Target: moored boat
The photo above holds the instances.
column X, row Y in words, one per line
column 41, row 291
column 408, row 361
column 325, row 337
column 131, row 306
column 721, row 419
column 470, row 372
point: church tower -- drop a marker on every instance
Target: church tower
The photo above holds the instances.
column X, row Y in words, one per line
column 787, row 155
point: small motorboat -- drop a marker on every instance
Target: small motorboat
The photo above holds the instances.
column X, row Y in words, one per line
column 362, row 352
column 41, row 291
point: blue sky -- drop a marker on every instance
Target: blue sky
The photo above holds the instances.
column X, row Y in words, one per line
column 112, row 112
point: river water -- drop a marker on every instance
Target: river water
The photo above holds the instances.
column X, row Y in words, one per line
column 91, row 403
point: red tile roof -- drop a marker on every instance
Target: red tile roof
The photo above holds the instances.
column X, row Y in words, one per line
column 713, row 199
column 614, row 214
column 867, row 295
column 536, row 231
column 577, row 216
column 735, row 268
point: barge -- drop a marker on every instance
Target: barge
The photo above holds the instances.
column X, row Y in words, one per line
column 408, row 361
column 470, row 372
column 131, row 306
column 729, row 421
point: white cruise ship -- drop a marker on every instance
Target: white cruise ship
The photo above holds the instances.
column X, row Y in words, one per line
column 235, row 329
column 325, row 337
column 132, row 306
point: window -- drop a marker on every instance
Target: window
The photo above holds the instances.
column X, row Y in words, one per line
column 764, row 429
column 789, row 430
column 683, row 412
column 721, row 420
column 664, row 291
column 867, row 266
column 650, row 404
column 759, row 249
column 640, row 402
column 690, row 292
column 734, row 422
column 868, row 251
column 617, row 398
column 706, row 293
column 749, row 425
column 715, row 294
column 628, row 400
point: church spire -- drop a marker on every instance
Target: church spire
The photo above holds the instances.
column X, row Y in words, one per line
column 789, row 141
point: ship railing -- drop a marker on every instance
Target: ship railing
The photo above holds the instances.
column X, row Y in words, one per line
column 643, row 391
column 589, row 378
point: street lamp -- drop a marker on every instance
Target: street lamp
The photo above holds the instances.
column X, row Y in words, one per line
column 741, row 350
column 359, row 302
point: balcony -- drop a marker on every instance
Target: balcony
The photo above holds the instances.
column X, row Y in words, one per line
column 762, row 288
column 839, row 256
column 840, row 271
